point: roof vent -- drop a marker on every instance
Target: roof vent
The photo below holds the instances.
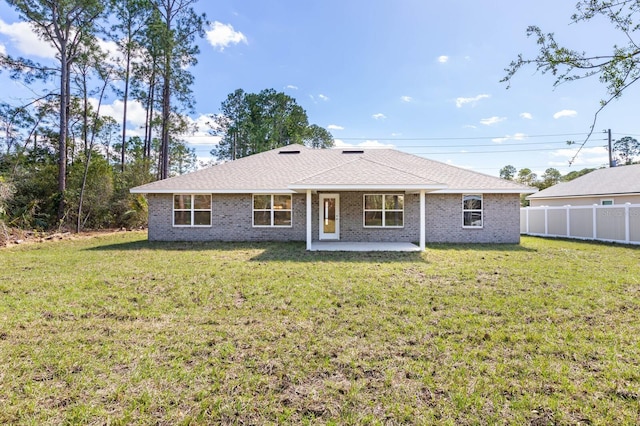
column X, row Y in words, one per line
column 353, row 151
column 296, row 151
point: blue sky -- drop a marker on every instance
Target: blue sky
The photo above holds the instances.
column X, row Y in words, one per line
column 419, row 76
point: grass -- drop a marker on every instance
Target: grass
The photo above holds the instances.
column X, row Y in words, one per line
column 117, row 330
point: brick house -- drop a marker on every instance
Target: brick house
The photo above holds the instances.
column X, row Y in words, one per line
column 375, row 199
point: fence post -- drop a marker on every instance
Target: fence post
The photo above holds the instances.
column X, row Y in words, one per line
column 627, row 228
column 527, row 216
column 546, row 221
column 595, row 224
column 568, row 220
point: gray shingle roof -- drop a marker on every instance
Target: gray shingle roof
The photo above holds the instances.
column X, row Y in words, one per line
column 296, row 168
column 609, row 181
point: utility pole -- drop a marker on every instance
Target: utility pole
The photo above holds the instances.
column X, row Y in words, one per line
column 611, row 164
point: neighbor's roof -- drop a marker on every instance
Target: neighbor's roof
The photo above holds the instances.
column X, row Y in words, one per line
column 619, row 180
column 296, row 168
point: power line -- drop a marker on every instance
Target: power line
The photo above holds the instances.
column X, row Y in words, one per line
column 427, row 138
column 626, row 134
column 495, row 144
column 485, row 152
column 470, row 147
column 460, row 138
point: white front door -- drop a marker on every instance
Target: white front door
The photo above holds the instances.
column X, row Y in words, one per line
column 329, row 216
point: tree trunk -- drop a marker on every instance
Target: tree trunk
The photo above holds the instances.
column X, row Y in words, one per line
column 166, row 116
column 85, row 173
column 148, row 133
column 146, row 152
column 88, row 147
column 124, row 113
column 87, row 150
column 62, row 141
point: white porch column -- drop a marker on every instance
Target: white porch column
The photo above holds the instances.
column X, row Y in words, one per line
column 309, row 227
column 422, row 220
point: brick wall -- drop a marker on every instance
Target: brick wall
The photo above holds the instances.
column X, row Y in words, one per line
column 232, row 221
column 501, row 219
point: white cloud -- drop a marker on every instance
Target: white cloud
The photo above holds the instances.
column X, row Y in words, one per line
column 565, row 113
column 320, row 97
column 222, row 35
column 379, row 116
column 460, row 102
column 334, row 127
column 28, row 43
column 492, row 120
column 515, row 137
column 594, row 157
column 443, row 59
column 371, row 144
column 453, row 163
column 406, row 99
column 526, row 116
column 201, row 134
column 469, row 126
column 136, row 114
column 25, row 39
column 395, row 135
column 292, row 87
column 111, row 49
column 3, row 50
column 136, row 117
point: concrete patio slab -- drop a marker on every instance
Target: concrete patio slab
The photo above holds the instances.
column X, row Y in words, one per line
column 354, row 246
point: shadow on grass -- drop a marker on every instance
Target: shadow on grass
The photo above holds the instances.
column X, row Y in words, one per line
column 296, row 252
column 267, row 251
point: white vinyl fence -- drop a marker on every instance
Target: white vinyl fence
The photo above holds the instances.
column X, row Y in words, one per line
column 617, row 223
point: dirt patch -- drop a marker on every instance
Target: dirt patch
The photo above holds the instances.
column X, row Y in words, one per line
column 12, row 237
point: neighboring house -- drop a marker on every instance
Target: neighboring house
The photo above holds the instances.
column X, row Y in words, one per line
column 610, row 186
column 297, row 193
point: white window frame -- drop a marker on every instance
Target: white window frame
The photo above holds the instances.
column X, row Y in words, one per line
column 383, row 211
column 272, row 211
column 192, row 210
column 480, row 210
column 607, row 202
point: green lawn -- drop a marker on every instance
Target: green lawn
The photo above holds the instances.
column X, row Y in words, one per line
column 118, row 330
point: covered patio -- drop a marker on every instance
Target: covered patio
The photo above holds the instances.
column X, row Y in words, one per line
column 362, row 246
column 323, row 241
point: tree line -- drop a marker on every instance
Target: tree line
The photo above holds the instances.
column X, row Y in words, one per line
column 625, row 150
column 250, row 123
column 64, row 163
column 61, row 131
column 550, row 177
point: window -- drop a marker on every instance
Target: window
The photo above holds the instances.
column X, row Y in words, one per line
column 383, row 211
column 472, row 211
column 192, row 210
column 606, row 202
column 272, row 210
